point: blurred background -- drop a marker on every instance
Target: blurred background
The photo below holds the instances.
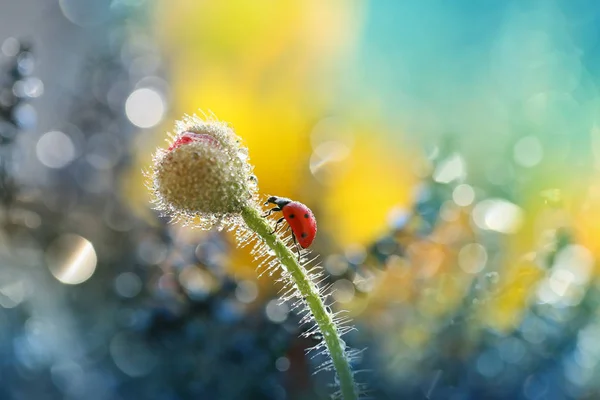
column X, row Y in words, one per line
column 449, row 150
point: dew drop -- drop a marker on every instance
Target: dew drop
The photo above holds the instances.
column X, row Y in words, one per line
column 493, row 277
column 253, row 181
column 243, row 154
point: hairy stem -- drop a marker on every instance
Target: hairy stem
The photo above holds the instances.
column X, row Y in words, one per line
column 310, row 293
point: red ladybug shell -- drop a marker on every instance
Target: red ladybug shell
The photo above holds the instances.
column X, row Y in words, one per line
column 302, row 221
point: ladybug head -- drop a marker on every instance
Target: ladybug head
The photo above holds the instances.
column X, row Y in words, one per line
column 271, row 199
column 278, row 201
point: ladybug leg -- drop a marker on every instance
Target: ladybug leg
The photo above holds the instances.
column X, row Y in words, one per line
column 296, row 243
column 280, row 220
column 271, row 211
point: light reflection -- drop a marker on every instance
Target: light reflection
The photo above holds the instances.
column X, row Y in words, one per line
column 12, row 294
column 85, row 12
column 463, row 195
column 398, row 217
column 282, row 364
column 560, row 281
column 576, row 259
column 343, row 291
column 145, row 107
column 71, row 259
column 151, row 251
column 246, row 291
column 27, row 218
column 498, row 215
column 356, row 254
column 546, row 295
column 25, row 115
column 451, row 169
column 55, row 149
column 571, row 271
column 472, row 258
column 10, row 47
column 128, row 284
column 336, row 265
column 365, row 282
column 276, row 311
column 324, row 156
column 197, row 282
column 489, row 363
column 28, row 87
column 25, row 63
column 528, row 152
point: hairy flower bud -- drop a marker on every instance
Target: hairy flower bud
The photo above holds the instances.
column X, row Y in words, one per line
column 204, row 173
column 204, row 178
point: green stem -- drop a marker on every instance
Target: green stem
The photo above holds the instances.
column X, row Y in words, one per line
column 310, row 293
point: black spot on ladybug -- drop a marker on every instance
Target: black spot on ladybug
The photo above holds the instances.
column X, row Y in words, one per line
column 304, row 234
column 305, row 215
column 291, row 215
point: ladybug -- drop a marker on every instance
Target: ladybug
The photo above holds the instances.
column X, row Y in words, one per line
column 300, row 219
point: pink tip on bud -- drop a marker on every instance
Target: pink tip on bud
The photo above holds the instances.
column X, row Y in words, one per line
column 190, row 137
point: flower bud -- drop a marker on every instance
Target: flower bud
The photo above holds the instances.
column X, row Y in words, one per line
column 204, row 173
